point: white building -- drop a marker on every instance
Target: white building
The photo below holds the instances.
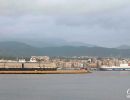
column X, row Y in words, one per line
column 22, row 60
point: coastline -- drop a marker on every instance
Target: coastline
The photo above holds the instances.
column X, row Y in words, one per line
column 47, row 72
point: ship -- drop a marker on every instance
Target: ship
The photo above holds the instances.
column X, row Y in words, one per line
column 121, row 67
column 40, row 71
column 35, row 67
column 45, row 70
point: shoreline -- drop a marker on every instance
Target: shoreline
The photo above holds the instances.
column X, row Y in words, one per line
column 47, row 72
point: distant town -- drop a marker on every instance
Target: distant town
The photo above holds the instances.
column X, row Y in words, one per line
column 74, row 62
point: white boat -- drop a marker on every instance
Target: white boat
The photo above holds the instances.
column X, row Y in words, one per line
column 121, row 67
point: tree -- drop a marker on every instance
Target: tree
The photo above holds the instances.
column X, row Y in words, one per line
column 39, row 60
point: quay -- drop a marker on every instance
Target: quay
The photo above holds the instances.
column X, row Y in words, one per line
column 46, row 72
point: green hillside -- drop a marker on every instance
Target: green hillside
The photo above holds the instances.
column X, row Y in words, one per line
column 21, row 49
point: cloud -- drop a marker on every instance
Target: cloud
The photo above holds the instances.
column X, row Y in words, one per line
column 115, row 20
column 101, row 22
column 10, row 7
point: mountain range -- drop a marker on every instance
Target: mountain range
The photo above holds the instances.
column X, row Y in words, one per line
column 48, row 42
column 12, row 48
column 124, row 47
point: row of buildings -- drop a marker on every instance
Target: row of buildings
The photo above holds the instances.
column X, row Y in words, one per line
column 65, row 62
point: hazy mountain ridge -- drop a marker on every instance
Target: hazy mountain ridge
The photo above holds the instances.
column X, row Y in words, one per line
column 12, row 48
column 51, row 42
column 22, row 49
column 57, row 43
column 124, row 47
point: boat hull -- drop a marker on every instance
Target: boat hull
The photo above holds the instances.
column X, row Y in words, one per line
column 28, row 69
column 114, row 69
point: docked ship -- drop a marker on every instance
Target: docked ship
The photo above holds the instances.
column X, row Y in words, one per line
column 42, row 70
column 36, row 65
column 121, row 67
column 39, row 71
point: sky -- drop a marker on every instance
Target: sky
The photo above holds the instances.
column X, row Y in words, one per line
column 99, row 22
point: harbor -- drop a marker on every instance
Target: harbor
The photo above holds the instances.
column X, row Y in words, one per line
column 37, row 65
column 62, row 65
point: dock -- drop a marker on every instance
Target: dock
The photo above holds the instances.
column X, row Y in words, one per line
column 47, row 72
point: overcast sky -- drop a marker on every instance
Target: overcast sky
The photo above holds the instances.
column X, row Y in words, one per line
column 99, row 22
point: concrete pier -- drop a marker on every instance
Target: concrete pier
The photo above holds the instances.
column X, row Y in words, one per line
column 46, row 72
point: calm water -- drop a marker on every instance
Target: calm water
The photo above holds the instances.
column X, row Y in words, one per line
column 95, row 86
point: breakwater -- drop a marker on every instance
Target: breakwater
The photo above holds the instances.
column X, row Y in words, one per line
column 46, row 72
